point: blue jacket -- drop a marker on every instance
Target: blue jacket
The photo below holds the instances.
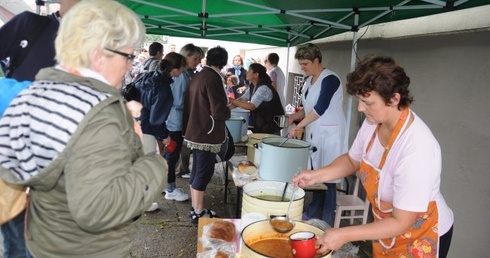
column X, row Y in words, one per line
column 157, row 100
column 10, row 88
column 179, row 87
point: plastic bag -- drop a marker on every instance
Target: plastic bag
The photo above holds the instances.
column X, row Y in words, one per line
column 220, row 236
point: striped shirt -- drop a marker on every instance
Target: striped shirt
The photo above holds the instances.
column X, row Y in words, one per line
column 40, row 121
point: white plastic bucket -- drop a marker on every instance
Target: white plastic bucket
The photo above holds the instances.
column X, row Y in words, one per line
column 250, row 202
column 245, row 114
column 234, row 125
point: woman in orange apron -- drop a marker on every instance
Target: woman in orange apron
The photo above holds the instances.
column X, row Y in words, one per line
column 399, row 163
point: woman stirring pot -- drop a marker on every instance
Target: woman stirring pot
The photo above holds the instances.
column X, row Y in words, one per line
column 399, row 164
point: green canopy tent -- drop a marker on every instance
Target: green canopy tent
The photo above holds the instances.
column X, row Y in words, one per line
column 279, row 22
column 282, row 23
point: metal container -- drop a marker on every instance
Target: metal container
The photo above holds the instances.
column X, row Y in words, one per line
column 245, row 114
column 253, row 154
column 281, row 121
column 262, row 229
column 280, row 163
column 234, row 125
column 252, row 204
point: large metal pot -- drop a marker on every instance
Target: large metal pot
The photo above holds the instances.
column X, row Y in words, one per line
column 262, row 229
column 253, row 203
column 253, row 153
column 280, row 163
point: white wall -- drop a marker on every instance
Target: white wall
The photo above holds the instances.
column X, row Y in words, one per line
column 450, row 81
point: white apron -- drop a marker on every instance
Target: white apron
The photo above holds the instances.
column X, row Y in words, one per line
column 328, row 132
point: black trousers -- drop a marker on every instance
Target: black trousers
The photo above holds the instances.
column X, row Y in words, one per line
column 445, row 243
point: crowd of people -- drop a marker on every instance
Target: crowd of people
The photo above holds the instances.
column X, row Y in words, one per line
column 95, row 162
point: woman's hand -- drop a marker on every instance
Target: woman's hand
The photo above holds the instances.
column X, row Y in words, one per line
column 305, row 178
column 332, row 239
column 295, row 132
column 291, row 118
column 166, row 141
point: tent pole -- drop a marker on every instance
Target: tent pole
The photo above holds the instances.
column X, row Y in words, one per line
column 352, row 65
column 287, row 74
column 203, row 32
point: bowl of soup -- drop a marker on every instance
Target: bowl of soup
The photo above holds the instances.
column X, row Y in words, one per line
column 259, row 239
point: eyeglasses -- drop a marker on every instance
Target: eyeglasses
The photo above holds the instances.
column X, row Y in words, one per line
column 130, row 57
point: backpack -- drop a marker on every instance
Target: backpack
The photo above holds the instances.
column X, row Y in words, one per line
column 130, row 91
column 227, row 148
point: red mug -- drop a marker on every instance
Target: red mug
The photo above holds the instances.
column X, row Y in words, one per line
column 303, row 244
column 171, row 146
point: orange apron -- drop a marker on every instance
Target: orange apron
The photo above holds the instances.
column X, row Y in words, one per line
column 421, row 239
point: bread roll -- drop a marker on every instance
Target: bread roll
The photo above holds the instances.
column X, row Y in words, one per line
column 224, row 230
column 221, row 254
column 247, row 167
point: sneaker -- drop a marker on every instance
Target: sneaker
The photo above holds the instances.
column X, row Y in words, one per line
column 153, row 207
column 205, row 213
column 177, row 195
column 186, row 175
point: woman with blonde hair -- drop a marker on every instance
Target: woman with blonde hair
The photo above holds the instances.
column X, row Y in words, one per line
column 70, row 138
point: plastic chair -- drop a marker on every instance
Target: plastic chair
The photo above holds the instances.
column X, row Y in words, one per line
column 351, row 204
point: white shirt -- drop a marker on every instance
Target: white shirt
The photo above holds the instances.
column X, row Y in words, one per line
column 411, row 176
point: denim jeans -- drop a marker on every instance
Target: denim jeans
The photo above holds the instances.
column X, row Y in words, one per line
column 322, row 205
column 14, row 244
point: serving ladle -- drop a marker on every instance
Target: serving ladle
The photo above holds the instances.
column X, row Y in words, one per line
column 284, row 224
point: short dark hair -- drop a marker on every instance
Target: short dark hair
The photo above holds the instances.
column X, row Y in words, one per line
column 217, row 56
column 383, row 75
column 154, row 48
column 308, row 51
column 264, row 78
column 273, row 58
column 171, row 61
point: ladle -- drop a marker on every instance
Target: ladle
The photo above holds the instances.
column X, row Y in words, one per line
column 284, row 191
column 284, row 224
column 282, row 143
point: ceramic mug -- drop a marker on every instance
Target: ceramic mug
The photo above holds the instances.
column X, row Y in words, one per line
column 303, row 244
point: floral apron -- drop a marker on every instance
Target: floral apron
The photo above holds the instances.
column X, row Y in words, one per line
column 421, row 239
